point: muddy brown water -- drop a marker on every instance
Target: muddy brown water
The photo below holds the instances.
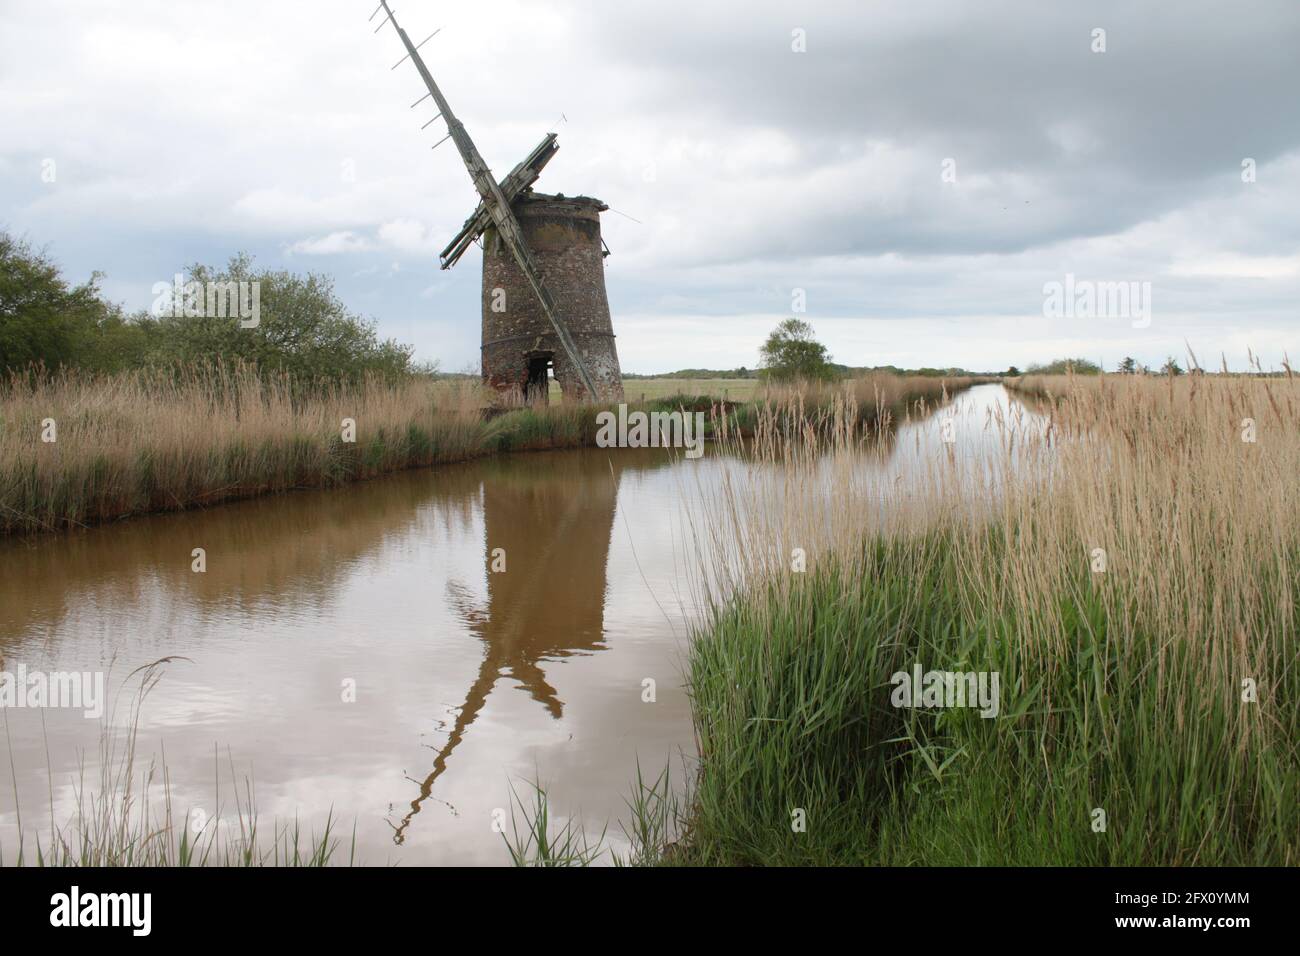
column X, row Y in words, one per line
column 353, row 652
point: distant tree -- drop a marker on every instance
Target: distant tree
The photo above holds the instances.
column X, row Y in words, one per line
column 1077, row 366
column 1171, row 367
column 1012, row 372
column 791, row 352
column 1128, row 366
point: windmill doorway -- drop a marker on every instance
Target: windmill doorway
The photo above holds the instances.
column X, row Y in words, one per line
column 538, row 386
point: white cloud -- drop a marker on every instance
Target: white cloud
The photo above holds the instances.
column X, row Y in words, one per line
column 333, row 244
column 1239, row 267
column 410, row 236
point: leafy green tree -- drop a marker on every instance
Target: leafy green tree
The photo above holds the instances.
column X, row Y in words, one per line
column 43, row 319
column 1171, row 367
column 1012, row 372
column 791, row 352
column 303, row 329
column 1128, row 366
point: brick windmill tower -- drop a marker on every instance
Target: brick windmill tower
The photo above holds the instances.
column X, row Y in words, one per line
column 544, row 302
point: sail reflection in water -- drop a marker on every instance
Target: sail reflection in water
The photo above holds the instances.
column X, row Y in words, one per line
column 546, row 544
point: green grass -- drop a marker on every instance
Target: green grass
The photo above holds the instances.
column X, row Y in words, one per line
column 650, row 389
column 791, row 690
column 537, row 840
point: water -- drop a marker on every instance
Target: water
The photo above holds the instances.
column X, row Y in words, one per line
column 354, row 651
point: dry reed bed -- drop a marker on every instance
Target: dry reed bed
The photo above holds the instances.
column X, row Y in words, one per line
column 147, row 441
column 153, row 441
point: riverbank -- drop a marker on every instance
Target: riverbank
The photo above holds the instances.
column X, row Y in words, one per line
column 1137, row 600
column 77, row 450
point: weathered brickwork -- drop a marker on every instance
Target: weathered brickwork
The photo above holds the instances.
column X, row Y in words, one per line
column 564, row 237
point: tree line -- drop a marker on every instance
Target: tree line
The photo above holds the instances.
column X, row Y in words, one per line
column 303, row 329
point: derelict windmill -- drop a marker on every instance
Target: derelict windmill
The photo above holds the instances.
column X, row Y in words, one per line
column 544, row 301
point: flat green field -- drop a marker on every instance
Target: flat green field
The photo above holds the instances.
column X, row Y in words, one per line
column 638, row 389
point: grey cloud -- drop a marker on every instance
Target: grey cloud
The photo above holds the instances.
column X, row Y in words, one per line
column 1010, row 90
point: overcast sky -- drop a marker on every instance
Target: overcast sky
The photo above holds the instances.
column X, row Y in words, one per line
column 921, row 170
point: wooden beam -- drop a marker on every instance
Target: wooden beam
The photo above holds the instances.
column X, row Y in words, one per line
column 520, row 178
